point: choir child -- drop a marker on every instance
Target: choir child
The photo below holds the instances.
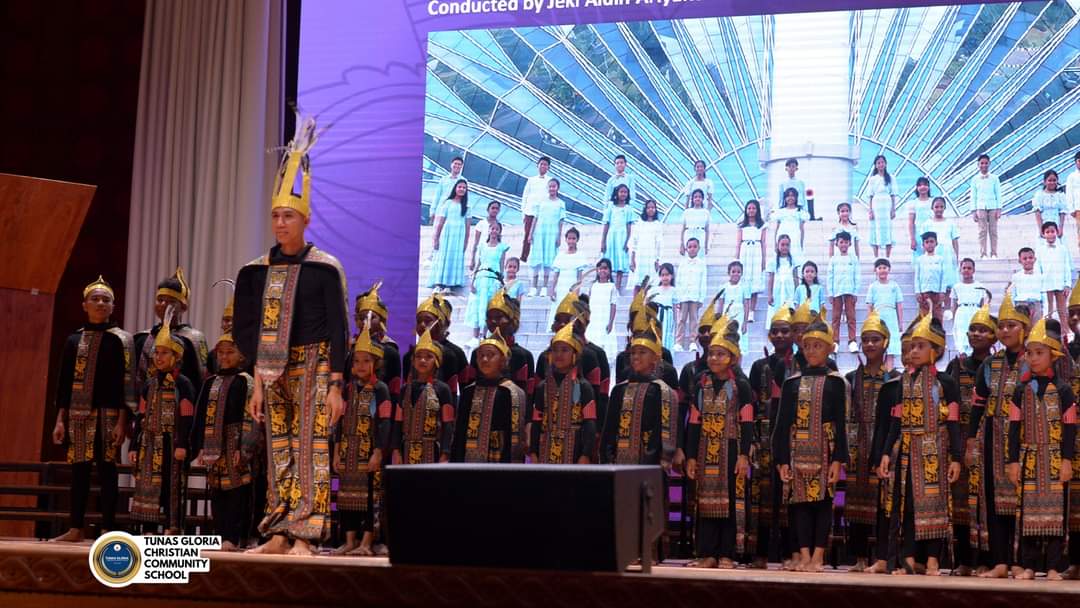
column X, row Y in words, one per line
column 926, row 422
column 564, row 415
column 981, row 336
column 1042, row 442
column 993, row 512
column 868, row 420
column 492, row 413
column 810, row 444
column 720, row 433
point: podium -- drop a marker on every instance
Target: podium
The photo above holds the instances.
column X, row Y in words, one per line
column 39, row 222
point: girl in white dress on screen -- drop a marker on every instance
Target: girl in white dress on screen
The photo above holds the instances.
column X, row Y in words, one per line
column 750, row 250
column 1049, row 203
column 781, row 273
column 665, row 299
column 809, row 288
column 568, row 265
column 790, row 220
column 645, row 243
column 948, row 238
column 920, row 210
column 844, row 224
column 968, row 296
column 698, row 182
column 602, row 304
column 882, row 189
column 695, row 224
column 480, row 230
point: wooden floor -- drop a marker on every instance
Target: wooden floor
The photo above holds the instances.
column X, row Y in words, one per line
column 50, row 574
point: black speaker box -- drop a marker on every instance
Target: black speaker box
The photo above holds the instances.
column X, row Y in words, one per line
column 563, row 517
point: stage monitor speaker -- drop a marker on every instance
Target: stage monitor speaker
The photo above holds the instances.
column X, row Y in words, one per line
column 564, row 517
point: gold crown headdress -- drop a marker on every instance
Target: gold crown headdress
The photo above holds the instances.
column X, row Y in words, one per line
column 496, row 340
column 296, row 160
column 505, row 304
column 1008, row 312
column 725, row 334
column 874, row 323
column 364, row 343
column 181, row 295
column 427, row 344
column 925, row 329
column 164, row 336
column 784, row 314
column 370, row 300
column 1040, row 334
column 803, row 315
column 708, row 316
column 101, row 284
column 432, row 307
column 1074, row 296
column 567, row 336
column 818, row 329
column 645, row 333
column 984, row 318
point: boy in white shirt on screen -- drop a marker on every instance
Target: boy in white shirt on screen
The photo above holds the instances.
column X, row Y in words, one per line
column 1027, row 283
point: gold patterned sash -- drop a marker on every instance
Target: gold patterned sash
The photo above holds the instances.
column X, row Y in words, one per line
column 421, row 425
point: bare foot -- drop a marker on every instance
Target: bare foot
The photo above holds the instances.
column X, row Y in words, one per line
column 362, row 549
column 73, row 535
column 346, row 548
column 879, row 567
column 705, row 562
column 1025, row 575
column 760, row 563
column 933, row 571
column 859, row 567
column 981, row 570
column 814, row 566
column 301, row 548
column 1071, row 573
column 277, row 545
column 788, row 564
column 998, row 571
column 961, row 571
column 932, row 568
column 227, row 545
column 726, row 564
column 1053, row 575
column 1016, row 571
column 920, row 568
column 899, row 572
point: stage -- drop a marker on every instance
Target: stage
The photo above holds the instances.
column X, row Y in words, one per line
column 46, row 574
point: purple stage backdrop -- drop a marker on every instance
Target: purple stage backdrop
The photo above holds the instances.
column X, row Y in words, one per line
column 362, row 72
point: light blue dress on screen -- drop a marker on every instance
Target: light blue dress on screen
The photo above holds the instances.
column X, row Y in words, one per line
column 548, row 215
column 924, row 212
column 946, row 231
column 517, row 289
column 448, row 265
column 617, row 217
column 783, row 288
column 884, row 297
column 789, row 220
column 817, row 296
column 881, row 227
column 486, row 283
column 969, row 297
column 750, row 256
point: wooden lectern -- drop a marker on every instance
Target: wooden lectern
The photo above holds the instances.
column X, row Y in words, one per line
column 39, row 222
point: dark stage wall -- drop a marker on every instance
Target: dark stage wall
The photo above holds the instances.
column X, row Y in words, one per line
column 70, row 74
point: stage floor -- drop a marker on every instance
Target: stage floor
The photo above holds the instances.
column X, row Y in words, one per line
column 51, row 574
